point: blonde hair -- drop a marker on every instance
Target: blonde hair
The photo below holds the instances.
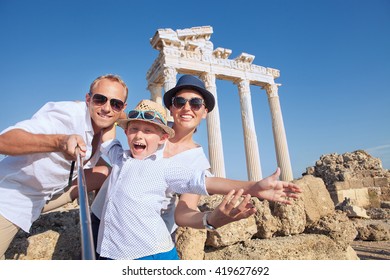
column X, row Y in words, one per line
column 111, row 77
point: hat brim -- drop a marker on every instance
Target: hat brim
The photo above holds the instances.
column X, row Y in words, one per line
column 124, row 122
column 207, row 96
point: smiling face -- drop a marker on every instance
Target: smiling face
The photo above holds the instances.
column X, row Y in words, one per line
column 144, row 138
column 104, row 115
column 186, row 117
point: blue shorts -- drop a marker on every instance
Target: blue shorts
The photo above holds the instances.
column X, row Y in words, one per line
column 170, row 255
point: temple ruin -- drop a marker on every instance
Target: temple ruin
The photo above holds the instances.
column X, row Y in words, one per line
column 190, row 51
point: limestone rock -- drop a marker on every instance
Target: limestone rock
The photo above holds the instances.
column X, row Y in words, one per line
column 297, row 247
column 356, row 175
column 54, row 236
column 190, row 243
column 316, row 199
column 266, row 223
column 371, row 230
column 337, row 226
column 232, row 233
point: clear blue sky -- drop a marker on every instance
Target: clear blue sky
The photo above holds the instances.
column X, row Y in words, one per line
column 334, row 59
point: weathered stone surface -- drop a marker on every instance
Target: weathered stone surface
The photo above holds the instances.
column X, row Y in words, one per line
column 372, row 230
column 190, row 243
column 232, row 233
column 297, row 247
column 356, row 212
column 54, row 236
column 353, row 175
column 292, row 219
column 266, row 223
column 379, row 213
column 316, row 199
column 337, row 226
column 385, row 204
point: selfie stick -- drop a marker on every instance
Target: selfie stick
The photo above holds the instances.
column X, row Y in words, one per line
column 87, row 247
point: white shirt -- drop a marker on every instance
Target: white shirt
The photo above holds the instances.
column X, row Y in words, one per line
column 131, row 225
column 193, row 158
column 28, row 181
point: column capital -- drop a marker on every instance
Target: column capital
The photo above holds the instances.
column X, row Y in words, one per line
column 170, row 74
column 208, row 79
column 272, row 89
column 242, row 85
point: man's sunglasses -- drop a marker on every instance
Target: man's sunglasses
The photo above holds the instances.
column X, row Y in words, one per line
column 196, row 103
column 99, row 100
column 153, row 116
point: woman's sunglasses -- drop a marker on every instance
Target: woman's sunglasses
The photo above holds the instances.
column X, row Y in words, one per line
column 99, row 100
column 153, row 116
column 196, row 103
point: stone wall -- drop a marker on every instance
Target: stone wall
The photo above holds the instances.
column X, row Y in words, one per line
column 357, row 176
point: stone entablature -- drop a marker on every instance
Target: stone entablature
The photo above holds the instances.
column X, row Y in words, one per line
column 176, row 51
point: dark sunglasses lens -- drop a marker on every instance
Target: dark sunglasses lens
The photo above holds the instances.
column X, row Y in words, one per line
column 99, row 99
column 149, row 115
column 116, row 104
column 196, row 103
column 179, row 102
column 133, row 114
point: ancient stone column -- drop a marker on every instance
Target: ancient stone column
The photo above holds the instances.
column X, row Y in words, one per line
column 155, row 92
column 280, row 140
column 214, row 130
column 250, row 137
column 170, row 74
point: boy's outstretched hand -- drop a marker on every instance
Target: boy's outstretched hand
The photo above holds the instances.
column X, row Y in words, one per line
column 272, row 189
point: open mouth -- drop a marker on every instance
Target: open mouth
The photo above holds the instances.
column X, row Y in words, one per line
column 139, row 147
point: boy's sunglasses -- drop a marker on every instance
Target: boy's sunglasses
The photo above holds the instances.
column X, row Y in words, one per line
column 153, row 116
column 196, row 103
column 99, row 100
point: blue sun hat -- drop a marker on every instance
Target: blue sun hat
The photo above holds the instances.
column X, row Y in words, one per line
column 190, row 82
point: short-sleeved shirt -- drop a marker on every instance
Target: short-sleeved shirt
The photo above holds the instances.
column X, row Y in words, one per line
column 131, row 225
column 28, row 181
column 193, row 158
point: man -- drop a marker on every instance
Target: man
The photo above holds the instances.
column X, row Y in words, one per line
column 40, row 152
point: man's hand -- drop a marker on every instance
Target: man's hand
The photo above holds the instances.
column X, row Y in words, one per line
column 68, row 145
column 17, row 142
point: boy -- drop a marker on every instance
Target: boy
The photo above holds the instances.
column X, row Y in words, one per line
column 132, row 227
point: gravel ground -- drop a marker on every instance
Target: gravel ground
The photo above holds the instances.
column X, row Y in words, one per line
column 372, row 250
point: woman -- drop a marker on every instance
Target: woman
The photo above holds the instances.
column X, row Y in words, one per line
column 189, row 102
